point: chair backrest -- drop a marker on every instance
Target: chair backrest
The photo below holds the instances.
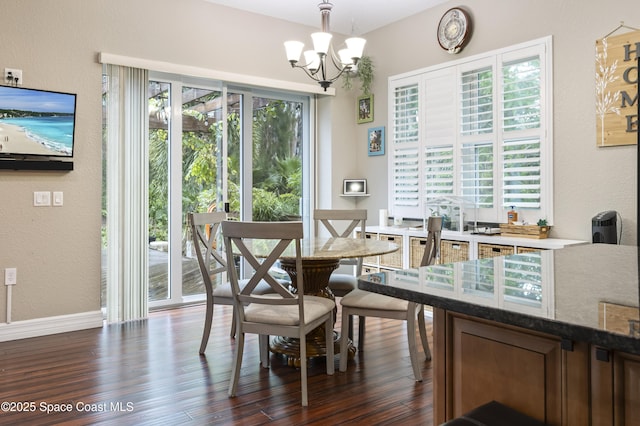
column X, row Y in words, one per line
column 205, row 235
column 261, row 244
column 329, row 219
column 432, row 247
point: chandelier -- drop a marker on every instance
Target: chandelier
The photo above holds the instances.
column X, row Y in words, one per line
column 322, row 57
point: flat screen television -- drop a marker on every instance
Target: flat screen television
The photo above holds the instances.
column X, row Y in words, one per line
column 354, row 187
column 37, row 123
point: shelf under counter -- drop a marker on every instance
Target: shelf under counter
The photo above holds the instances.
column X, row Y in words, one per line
column 472, row 244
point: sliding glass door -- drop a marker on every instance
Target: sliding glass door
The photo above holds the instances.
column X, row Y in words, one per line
column 218, row 149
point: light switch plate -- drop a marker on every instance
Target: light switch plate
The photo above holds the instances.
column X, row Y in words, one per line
column 58, row 198
column 41, row 198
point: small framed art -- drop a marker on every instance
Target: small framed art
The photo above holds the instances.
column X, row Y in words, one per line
column 365, row 109
column 375, row 141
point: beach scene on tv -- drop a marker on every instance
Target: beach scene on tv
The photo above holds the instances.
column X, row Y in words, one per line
column 36, row 122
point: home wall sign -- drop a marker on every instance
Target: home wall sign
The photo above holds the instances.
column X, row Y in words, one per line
column 616, row 82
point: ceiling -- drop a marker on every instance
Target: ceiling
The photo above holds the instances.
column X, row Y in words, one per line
column 348, row 17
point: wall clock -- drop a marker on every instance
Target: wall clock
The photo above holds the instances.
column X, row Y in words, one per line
column 454, row 30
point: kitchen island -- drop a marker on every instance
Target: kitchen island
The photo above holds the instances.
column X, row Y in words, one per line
column 554, row 334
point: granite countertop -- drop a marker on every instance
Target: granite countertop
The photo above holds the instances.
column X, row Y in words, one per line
column 586, row 293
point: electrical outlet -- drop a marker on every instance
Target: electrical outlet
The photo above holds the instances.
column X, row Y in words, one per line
column 13, row 76
column 10, row 276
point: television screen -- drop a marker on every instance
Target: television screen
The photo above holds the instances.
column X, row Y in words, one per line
column 36, row 122
column 355, row 187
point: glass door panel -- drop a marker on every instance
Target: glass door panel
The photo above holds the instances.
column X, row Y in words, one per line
column 277, row 159
column 159, row 132
column 202, row 157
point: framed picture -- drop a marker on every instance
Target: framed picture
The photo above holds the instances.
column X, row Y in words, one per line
column 375, row 141
column 365, row 109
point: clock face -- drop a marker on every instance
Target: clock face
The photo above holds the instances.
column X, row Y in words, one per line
column 453, row 30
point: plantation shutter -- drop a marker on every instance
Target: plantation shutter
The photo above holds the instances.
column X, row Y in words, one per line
column 440, row 134
column 521, row 154
column 476, row 176
column 405, row 154
column 476, row 131
column 477, row 128
column 477, row 101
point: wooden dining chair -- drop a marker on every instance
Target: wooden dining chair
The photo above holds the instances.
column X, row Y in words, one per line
column 342, row 223
column 282, row 313
column 206, row 238
column 368, row 304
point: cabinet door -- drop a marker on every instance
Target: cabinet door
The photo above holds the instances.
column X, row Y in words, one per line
column 615, row 378
column 487, row 361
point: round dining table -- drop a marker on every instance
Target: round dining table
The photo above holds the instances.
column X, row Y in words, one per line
column 320, row 257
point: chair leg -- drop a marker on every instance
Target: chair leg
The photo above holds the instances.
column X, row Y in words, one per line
column 208, row 319
column 303, row 369
column 344, row 336
column 350, row 327
column 328, row 332
column 411, row 337
column 233, row 323
column 263, row 343
column 237, row 363
column 422, row 327
column 361, row 332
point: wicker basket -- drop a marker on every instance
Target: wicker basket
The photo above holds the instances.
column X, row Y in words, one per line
column 520, row 250
column 372, row 260
column 392, row 260
column 453, row 251
column 416, row 251
column 524, row 231
column 493, row 250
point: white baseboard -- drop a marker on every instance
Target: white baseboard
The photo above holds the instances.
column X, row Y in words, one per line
column 50, row 325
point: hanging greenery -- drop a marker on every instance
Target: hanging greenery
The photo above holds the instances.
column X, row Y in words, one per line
column 364, row 73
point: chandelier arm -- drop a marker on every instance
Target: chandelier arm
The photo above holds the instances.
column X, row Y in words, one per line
column 304, row 68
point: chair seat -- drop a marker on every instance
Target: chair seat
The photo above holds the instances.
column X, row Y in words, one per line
column 341, row 284
column 363, row 299
column 314, row 308
column 224, row 290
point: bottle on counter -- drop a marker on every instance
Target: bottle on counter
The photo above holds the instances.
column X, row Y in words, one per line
column 512, row 215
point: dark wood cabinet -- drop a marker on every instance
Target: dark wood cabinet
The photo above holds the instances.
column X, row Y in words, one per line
column 555, row 381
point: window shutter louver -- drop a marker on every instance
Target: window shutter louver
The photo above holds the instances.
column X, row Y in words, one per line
column 477, row 173
column 521, row 94
column 521, row 157
column 440, row 131
column 477, row 102
column 406, row 158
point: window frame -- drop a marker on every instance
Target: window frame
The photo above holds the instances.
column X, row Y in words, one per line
column 496, row 59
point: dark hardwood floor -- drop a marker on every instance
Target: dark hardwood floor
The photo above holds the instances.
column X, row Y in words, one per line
column 149, row 372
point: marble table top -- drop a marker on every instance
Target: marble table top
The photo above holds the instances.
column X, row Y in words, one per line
column 319, row 248
column 587, row 293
